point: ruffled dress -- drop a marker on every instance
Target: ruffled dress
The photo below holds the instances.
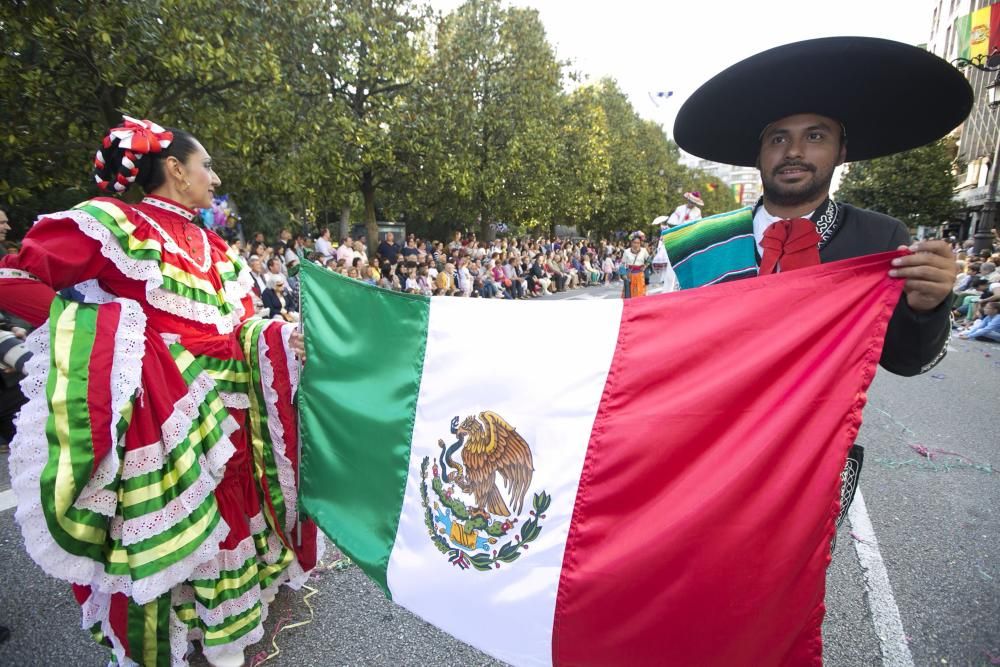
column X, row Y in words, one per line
column 155, row 461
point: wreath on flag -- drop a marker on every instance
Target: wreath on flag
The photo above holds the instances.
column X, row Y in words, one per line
column 448, row 518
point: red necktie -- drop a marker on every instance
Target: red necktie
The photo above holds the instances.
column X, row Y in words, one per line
column 789, row 245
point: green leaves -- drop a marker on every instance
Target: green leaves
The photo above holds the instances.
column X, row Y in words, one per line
column 916, row 186
column 311, row 105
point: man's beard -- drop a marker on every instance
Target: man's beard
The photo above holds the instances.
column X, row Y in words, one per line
column 799, row 193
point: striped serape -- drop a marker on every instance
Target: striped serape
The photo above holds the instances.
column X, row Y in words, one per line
column 723, row 245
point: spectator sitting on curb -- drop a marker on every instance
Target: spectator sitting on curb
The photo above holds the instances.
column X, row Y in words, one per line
column 986, row 327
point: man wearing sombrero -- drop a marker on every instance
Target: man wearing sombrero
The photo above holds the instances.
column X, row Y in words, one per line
column 689, row 211
column 796, row 112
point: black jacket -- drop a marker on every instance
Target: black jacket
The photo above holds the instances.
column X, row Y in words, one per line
column 914, row 342
column 272, row 303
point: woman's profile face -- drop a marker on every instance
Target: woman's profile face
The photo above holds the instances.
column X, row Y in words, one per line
column 202, row 178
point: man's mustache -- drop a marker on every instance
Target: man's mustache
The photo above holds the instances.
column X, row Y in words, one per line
column 799, row 165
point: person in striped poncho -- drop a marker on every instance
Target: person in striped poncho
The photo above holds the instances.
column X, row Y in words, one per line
column 155, row 461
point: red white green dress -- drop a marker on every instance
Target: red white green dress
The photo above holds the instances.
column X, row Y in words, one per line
column 155, row 461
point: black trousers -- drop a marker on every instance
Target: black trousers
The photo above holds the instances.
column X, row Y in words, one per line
column 11, row 400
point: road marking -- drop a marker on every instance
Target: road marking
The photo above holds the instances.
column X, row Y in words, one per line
column 885, row 613
column 7, row 499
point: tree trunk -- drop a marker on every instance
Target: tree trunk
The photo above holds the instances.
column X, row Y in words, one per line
column 345, row 221
column 368, row 191
column 485, row 231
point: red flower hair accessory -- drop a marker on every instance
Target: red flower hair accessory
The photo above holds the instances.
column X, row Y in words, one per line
column 140, row 136
column 135, row 138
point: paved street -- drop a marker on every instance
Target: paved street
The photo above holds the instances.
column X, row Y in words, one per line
column 934, row 534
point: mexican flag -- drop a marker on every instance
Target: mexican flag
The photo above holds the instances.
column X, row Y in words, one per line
column 644, row 482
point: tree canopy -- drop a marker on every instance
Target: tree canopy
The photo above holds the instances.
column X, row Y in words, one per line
column 446, row 122
column 916, row 186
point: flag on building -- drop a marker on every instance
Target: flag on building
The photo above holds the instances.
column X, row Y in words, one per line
column 978, row 34
column 649, row 482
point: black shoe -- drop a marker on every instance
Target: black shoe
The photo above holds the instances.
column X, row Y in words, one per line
column 4, row 634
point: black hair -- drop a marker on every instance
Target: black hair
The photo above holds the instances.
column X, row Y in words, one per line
column 116, row 166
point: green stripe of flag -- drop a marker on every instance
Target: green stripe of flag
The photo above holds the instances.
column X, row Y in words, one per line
column 343, row 474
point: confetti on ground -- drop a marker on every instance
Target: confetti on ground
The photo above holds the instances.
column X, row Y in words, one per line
column 905, row 429
column 341, row 562
column 859, row 538
column 930, row 453
column 936, row 466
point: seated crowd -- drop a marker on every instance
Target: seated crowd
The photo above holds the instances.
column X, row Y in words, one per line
column 501, row 269
column 976, row 305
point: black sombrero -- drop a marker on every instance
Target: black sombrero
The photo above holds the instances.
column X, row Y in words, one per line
column 890, row 96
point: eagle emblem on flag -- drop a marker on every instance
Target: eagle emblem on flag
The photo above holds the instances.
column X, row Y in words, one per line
column 470, row 519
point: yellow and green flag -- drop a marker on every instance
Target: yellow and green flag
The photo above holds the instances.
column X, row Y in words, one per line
column 978, row 33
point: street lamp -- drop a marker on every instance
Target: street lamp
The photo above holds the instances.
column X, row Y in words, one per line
column 982, row 239
column 993, row 93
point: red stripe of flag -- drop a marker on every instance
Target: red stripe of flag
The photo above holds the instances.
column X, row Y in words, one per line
column 703, row 521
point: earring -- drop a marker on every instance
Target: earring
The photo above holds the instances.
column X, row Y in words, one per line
column 187, row 185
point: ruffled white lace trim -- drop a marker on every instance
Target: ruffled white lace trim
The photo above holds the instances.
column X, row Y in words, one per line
column 92, row 292
column 126, row 376
column 178, row 641
column 149, row 272
column 236, row 400
column 290, row 359
column 229, row 608
column 99, row 501
column 152, row 524
column 226, row 559
column 176, row 428
column 223, row 450
column 143, row 460
column 95, row 609
column 274, row 548
column 148, row 589
column 145, row 270
column 237, row 289
column 249, row 639
column 294, row 576
column 286, row 472
column 258, row 524
column 29, row 454
column 117, row 647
